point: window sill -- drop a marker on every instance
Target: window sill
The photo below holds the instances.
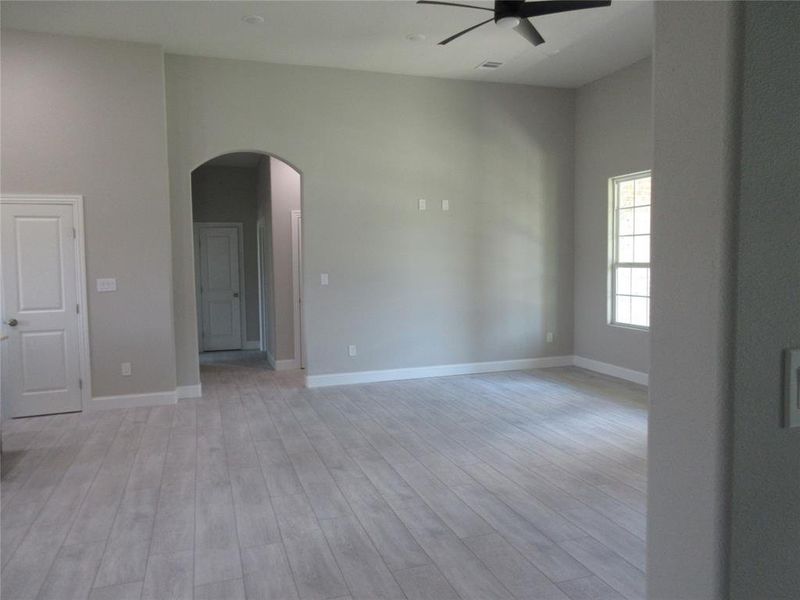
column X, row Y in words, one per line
column 629, row 327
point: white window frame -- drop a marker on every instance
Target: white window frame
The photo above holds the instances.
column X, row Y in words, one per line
column 613, row 213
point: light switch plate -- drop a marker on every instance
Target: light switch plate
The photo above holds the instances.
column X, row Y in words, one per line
column 351, row 350
column 323, row 279
column 423, row 204
column 108, row 284
column 791, row 389
column 445, row 204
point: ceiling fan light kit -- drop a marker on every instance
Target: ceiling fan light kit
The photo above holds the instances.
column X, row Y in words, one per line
column 514, row 14
column 507, row 22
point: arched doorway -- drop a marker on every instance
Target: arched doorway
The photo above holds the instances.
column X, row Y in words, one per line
column 246, row 215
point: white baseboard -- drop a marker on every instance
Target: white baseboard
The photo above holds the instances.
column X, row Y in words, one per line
column 436, row 371
column 312, row 381
column 133, row 400
column 139, row 400
column 250, row 345
column 189, row 391
column 287, row 364
column 612, row 370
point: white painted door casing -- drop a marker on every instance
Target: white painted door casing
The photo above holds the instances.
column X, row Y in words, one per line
column 297, row 288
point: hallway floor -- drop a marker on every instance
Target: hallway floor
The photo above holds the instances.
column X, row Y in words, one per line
column 527, row 485
column 242, row 358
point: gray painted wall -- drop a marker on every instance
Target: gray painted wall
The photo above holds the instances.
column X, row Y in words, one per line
column 613, row 136
column 484, row 281
column 279, row 190
column 765, row 552
column 285, row 197
column 84, row 116
column 263, row 192
column 229, row 195
column 694, row 190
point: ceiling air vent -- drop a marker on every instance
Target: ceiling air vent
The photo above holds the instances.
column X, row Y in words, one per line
column 489, row 65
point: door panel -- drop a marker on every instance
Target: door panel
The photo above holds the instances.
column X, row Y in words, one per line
column 219, row 290
column 218, row 252
column 41, row 358
column 44, row 368
column 221, row 318
column 39, row 263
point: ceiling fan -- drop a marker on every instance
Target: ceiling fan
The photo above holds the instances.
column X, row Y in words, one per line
column 514, row 14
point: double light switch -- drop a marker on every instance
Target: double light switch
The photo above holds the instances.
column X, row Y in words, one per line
column 108, row 284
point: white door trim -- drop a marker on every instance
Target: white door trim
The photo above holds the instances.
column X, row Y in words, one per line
column 76, row 201
column 262, row 319
column 297, row 290
column 242, row 284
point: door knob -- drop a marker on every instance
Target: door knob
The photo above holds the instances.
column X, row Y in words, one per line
column 235, row 294
column 12, row 322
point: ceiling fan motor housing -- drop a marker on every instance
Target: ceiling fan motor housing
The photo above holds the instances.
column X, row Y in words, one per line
column 515, row 14
column 506, row 8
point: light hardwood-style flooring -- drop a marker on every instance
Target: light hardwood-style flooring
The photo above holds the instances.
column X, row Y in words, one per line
column 524, row 485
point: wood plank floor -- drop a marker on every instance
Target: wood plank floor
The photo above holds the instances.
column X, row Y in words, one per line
column 526, row 485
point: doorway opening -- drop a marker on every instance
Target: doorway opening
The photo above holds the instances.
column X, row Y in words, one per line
column 248, row 260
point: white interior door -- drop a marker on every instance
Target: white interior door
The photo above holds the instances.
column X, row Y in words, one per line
column 220, row 288
column 41, row 357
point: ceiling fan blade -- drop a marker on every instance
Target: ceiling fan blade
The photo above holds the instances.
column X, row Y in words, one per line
column 460, row 33
column 529, row 32
column 454, row 4
column 549, row 7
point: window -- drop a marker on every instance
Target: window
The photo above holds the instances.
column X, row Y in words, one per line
column 629, row 275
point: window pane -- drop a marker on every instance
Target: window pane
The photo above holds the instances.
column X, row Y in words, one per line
column 626, row 194
column 639, row 312
column 623, row 309
column 625, row 249
column 623, row 280
column 642, row 194
column 630, row 283
column 641, row 248
column 641, row 220
column 639, row 282
column 625, row 222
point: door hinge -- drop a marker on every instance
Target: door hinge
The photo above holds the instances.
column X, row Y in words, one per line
column 80, row 383
column 74, row 234
column 78, row 308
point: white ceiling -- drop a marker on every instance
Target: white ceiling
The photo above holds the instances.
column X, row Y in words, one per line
column 365, row 35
